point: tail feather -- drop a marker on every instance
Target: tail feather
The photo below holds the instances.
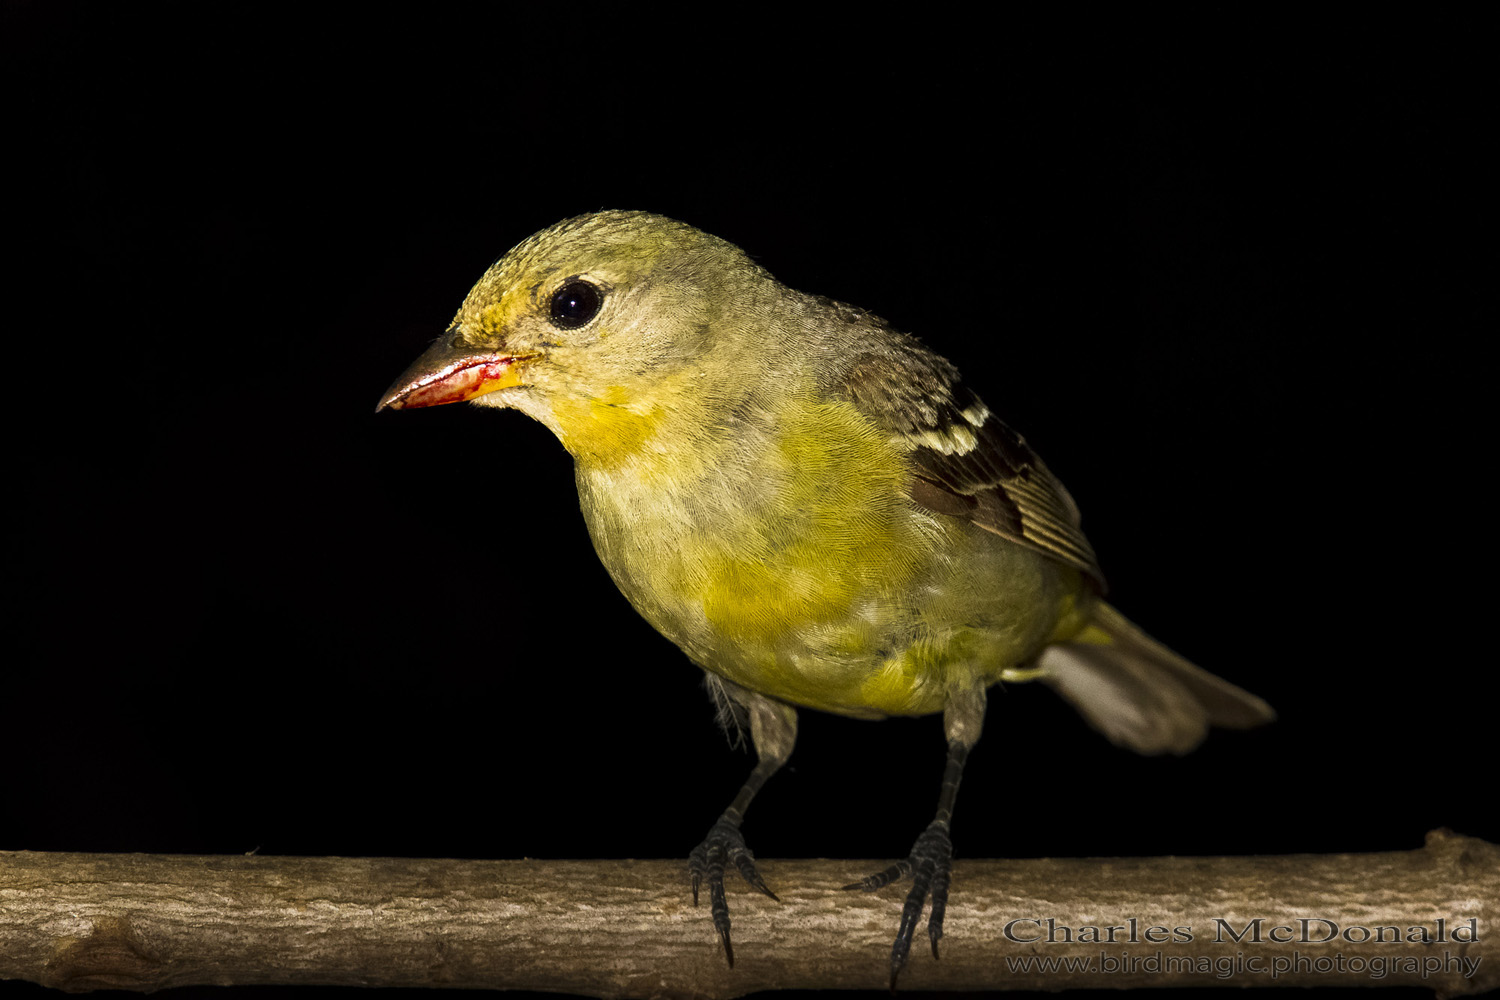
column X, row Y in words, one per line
column 1139, row 693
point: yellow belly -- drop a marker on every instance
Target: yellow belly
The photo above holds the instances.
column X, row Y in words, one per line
column 806, row 573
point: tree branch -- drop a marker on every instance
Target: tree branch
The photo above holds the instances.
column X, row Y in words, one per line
column 628, row 928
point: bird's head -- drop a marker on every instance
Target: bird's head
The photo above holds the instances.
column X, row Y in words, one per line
column 590, row 326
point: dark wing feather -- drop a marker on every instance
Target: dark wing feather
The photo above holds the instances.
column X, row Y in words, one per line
column 967, row 463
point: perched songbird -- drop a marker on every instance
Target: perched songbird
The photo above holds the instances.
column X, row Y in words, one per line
column 809, row 503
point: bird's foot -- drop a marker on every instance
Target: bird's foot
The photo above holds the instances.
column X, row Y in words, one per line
column 723, row 843
column 930, row 865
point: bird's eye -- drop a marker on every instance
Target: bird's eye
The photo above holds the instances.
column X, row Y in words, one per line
column 574, row 304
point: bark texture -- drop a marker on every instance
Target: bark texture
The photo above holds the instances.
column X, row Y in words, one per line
column 628, row 928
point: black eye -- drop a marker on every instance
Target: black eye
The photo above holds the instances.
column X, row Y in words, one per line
column 574, row 304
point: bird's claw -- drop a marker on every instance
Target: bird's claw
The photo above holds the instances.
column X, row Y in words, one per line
column 706, row 863
column 930, row 866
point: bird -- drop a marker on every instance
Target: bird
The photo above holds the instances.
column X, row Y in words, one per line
column 813, row 506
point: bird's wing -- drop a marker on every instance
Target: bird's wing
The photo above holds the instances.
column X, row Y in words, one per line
column 966, row 462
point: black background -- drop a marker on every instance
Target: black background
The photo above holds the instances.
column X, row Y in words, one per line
column 1226, row 296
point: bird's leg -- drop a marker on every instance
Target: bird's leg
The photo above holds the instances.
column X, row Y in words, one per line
column 773, row 730
column 930, row 863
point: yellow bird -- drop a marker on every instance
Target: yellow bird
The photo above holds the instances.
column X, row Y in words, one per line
column 812, row 505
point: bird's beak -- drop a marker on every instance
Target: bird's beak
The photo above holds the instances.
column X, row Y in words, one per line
column 450, row 372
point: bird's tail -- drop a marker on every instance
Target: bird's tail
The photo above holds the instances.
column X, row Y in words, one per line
column 1139, row 693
